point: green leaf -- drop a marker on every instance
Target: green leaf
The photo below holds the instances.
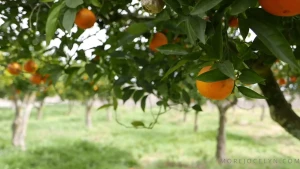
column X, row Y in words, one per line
column 172, row 49
column 250, row 93
column 162, row 16
column 274, row 41
column 174, row 4
column 217, row 42
column 203, row 6
column 244, row 28
column 115, row 103
column 138, row 95
column 104, row 106
column 227, row 69
column 198, row 27
column 171, row 70
column 118, row 92
column 212, row 76
column 127, row 94
column 190, row 32
column 143, row 103
column 250, row 77
column 137, row 28
column 72, row 70
column 197, row 107
column 69, row 18
column 52, row 21
column 186, row 97
column 137, row 124
column 239, row 6
column 90, row 69
column 73, row 3
column 46, row 0
column 96, row 3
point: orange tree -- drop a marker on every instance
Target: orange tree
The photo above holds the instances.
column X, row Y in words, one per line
column 199, row 33
column 87, row 90
column 21, row 90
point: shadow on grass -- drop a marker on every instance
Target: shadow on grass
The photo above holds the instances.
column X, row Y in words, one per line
column 212, row 135
column 79, row 155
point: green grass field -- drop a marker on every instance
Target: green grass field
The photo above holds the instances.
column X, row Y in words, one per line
column 62, row 142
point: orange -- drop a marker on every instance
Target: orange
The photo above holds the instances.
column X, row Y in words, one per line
column 234, row 22
column 218, row 90
column 36, row 79
column 45, row 79
column 95, row 88
column 282, row 81
column 85, row 19
column 158, row 40
column 30, row 66
column 293, row 79
column 281, row 7
column 14, row 68
column 85, row 77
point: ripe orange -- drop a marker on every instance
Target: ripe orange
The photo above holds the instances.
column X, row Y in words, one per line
column 14, row 68
column 85, row 18
column 293, row 79
column 30, row 66
column 158, row 40
column 281, row 7
column 215, row 90
column 36, row 79
column 234, row 22
column 282, row 81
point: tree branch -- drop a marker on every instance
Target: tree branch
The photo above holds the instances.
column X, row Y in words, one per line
column 280, row 110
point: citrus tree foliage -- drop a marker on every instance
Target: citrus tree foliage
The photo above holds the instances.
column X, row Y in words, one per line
column 199, row 33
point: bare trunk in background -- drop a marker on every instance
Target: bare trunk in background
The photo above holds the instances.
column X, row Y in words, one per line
column 22, row 113
column 196, row 121
column 221, row 136
column 40, row 109
column 88, row 113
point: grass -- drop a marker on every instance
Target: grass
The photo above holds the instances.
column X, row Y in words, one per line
column 62, row 142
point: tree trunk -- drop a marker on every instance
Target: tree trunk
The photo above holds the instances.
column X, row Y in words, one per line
column 221, row 137
column 280, row 110
column 88, row 114
column 196, row 121
column 184, row 116
column 262, row 116
column 108, row 115
column 20, row 123
column 40, row 110
column 70, row 107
